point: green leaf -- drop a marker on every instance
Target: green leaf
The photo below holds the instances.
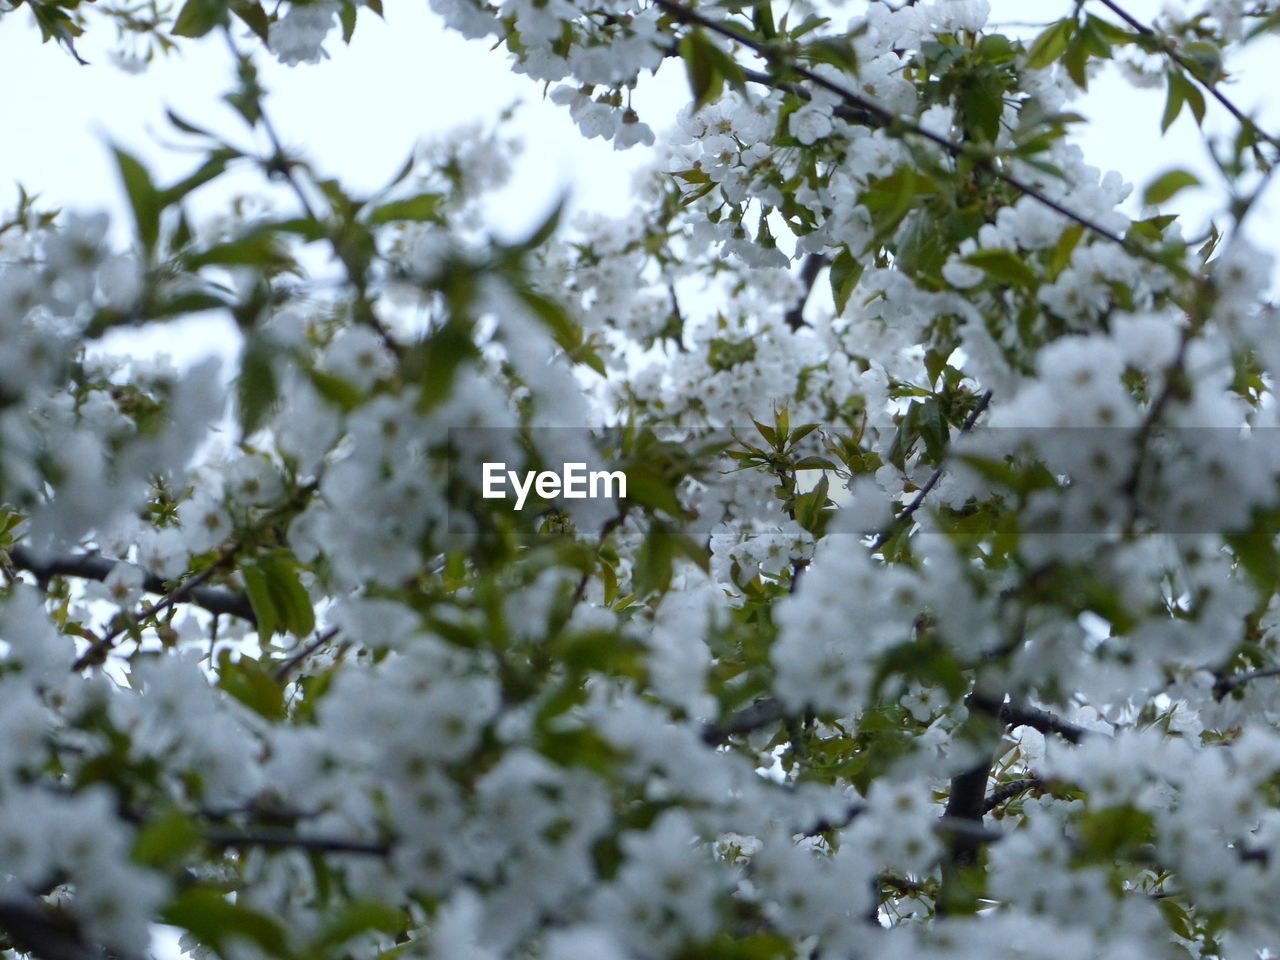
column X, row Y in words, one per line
column 353, row 919
column 256, row 387
column 762, row 19
column 567, row 333
column 1173, row 101
column 198, row 17
column 1258, row 557
column 1167, row 184
column 1177, row 917
column 289, row 597
column 253, row 17
column 802, row 431
column 543, row 231
column 264, row 608
column 1060, row 255
column 811, row 506
column 347, row 17
column 214, row 921
column 253, row 684
column 1050, row 44
column 981, row 104
column 933, row 429
column 212, row 168
column 770, row 435
column 144, row 199
column 845, row 274
column 649, row 489
column 707, row 67
column 891, row 198
column 1003, row 266
column 257, row 249
column 837, row 51
column 165, row 840
column 339, row 391
column 187, row 126
column 1109, row 31
column 1181, row 91
column 420, row 209
column 434, row 362
column 654, row 559
column 813, row 463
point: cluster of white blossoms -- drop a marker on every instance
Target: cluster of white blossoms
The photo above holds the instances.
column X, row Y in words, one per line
column 299, row 35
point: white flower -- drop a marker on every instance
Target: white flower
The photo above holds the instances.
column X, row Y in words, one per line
column 124, row 584
column 297, row 36
column 809, row 124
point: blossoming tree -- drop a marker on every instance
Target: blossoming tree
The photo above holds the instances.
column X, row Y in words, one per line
column 939, row 619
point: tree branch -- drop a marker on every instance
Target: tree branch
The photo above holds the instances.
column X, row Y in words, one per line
column 1021, row 715
column 813, row 265
column 760, row 714
column 968, row 803
column 852, row 812
column 287, row 667
column 35, row 928
column 96, row 567
column 1224, row 685
column 1008, row 791
column 279, row 840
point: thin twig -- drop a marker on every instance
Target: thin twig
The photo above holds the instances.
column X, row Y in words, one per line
column 98, row 649
column 287, row 667
column 606, row 528
column 1008, row 791
column 918, row 500
column 97, row 567
column 1225, row 685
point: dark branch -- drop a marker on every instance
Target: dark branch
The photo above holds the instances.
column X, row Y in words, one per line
column 280, row 840
column 287, row 667
column 1008, row 791
column 813, row 265
column 43, row 932
column 852, row 115
column 967, row 805
column 760, row 714
column 1225, row 685
column 1022, row 715
column 852, row 812
column 96, row 567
